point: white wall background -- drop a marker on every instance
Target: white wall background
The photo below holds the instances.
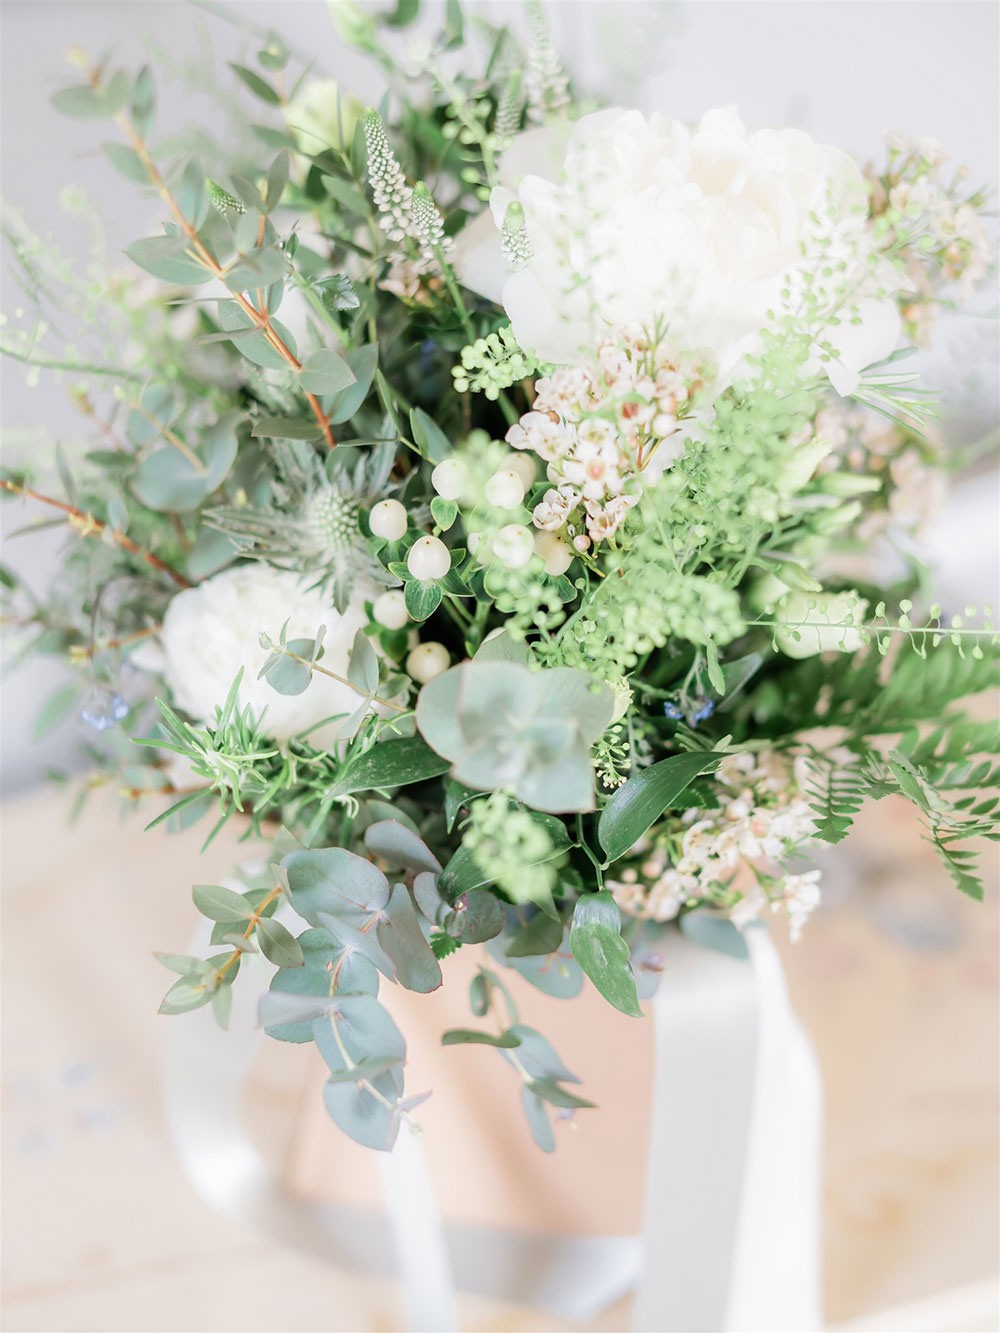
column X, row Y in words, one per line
column 844, row 70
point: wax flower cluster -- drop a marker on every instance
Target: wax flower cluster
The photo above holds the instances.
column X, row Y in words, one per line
column 598, row 428
column 731, row 856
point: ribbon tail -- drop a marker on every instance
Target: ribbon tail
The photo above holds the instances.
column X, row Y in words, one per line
column 731, row 1233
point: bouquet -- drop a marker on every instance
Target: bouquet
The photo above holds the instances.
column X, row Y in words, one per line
column 505, row 510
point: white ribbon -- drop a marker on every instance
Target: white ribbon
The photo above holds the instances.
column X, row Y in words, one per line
column 731, row 1231
column 731, row 1235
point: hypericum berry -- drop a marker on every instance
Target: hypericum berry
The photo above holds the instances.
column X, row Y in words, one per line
column 428, row 559
column 427, row 661
column 504, row 490
column 514, row 545
column 388, row 519
column 523, row 464
column 558, row 556
column 390, row 609
column 449, row 479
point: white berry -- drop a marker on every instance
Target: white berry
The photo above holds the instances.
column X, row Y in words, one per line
column 513, row 546
column 390, row 609
column 554, row 551
column 449, row 479
column 427, row 661
column 524, row 465
column 428, row 559
column 504, row 490
column 388, row 519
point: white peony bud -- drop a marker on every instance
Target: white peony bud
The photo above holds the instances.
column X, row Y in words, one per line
column 514, row 545
column 390, row 609
column 449, row 479
column 504, row 490
column 427, row 661
column 428, row 559
column 558, row 556
column 388, row 519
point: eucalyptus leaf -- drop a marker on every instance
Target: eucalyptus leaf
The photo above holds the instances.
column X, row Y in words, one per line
column 539, row 935
column 712, row 931
column 400, row 936
column 221, row 904
column 538, row 1120
column 331, row 880
column 167, row 257
column 325, row 372
column 278, row 944
column 470, row 1037
column 400, row 847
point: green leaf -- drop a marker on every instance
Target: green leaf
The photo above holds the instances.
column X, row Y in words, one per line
column 331, row 880
column 221, row 904
column 402, row 939
column 325, row 372
column 390, row 764
column 286, row 428
column 286, row 675
column 422, row 599
column 256, row 269
column 444, row 512
column 470, row 1037
column 186, row 994
column 361, row 361
column 321, row 953
column 278, row 944
column 168, row 481
column 541, row 935
column 596, row 943
column 56, row 710
column 476, row 918
column 192, row 194
column 538, row 1120
column 712, row 931
column 400, row 847
column 165, row 257
column 362, row 666
column 86, row 103
column 277, row 179
column 251, row 341
column 428, row 436
column 258, row 86
column 128, row 162
column 143, row 102
column 640, row 802
column 556, row 1095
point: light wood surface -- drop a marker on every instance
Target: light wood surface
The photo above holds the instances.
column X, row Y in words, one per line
column 896, row 982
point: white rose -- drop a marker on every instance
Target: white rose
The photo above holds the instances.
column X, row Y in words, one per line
column 630, row 220
column 213, row 630
column 810, row 623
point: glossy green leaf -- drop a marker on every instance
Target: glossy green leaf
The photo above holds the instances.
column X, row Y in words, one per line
column 422, row 599
column 639, row 802
column 390, row 764
column 597, row 945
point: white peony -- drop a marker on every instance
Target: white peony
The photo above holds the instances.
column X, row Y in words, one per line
column 211, row 631
column 629, row 220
